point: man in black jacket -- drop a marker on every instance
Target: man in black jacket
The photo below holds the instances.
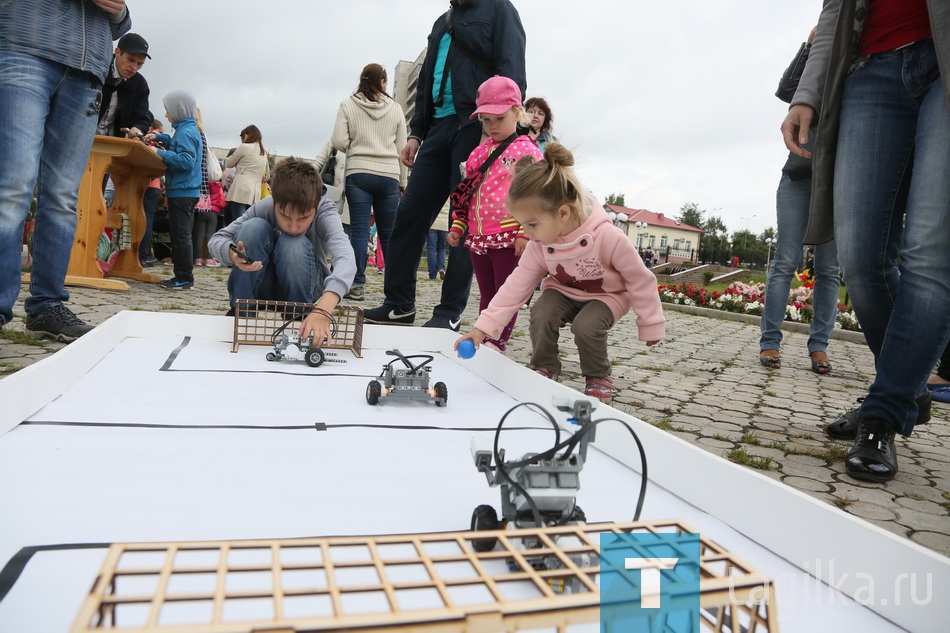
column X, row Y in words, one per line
column 124, row 107
column 473, row 41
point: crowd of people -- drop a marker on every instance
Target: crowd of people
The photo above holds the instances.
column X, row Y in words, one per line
column 479, row 182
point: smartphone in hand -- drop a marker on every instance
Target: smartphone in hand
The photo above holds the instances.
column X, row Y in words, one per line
column 244, row 258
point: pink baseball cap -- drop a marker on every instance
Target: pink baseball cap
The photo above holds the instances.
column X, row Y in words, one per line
column 496, row 96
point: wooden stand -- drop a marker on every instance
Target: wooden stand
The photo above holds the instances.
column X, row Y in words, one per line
column 132, row 165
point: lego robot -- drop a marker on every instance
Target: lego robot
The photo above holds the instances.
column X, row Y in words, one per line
column 407, row 382
column 537, row 492
column 291, row 347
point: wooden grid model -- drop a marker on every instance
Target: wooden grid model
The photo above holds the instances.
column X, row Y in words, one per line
column 434, row 583
column 255, row 322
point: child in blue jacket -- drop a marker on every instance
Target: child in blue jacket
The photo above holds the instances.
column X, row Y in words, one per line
column 182, row 182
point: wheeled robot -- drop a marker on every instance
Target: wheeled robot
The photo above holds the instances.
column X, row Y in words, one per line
column 408, row 381
column 291, row 347
column 537, row 491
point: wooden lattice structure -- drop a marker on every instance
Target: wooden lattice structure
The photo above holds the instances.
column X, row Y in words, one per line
column 255, row 322
column 394, row 583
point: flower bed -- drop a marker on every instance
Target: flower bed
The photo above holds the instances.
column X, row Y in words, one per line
column 750, row 299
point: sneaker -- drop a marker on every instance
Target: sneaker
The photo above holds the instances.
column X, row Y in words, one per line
column 212, row 263
column 442, row 321
column 199, row 262
column 379, row 271
column 387, row 315
column 846, row 427
column 144, row 263
column 873, row 456
column 57, row 323
column 544, row 371
column 356, row 293
column 441, row 274
column 600, row 387
column 177, row 284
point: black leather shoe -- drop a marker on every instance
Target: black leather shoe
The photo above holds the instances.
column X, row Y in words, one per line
column 873, row 456
column 846, row 427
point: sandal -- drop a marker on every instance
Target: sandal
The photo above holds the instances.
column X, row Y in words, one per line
column 820, row 367
column 772, row 362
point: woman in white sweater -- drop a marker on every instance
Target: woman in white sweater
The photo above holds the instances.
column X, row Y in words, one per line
column 371, row 130
column 250, row 163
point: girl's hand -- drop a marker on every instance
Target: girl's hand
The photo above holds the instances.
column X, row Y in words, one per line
column 453, row 238
column 520, row 244
column 476, row 336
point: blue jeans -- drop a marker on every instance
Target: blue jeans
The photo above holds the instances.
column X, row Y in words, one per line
column 894, row 115
column 435, row 251
column 290, row 272
column 49, row 120
column 365, row 193
column 792, row 203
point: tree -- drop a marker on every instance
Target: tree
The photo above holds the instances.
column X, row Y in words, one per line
column 691, row 214
column 715, row 242
column 615, row 198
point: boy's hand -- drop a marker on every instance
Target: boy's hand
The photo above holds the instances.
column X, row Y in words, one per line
column 520, row 244
column 476, row 336
column 240, row 264
column 453, row 238
column 316, row 324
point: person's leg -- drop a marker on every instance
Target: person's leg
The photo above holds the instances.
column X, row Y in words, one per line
column 298, row 275
column 149, row 205
column 549, row 313
column 360, row 198
column 792, row 201
column 484, row 275
column 431, row 256
column 25, row 97
column 197, row 235
column 238, row 209
column 180, row 220
column 894, row 114
column 458, row 272
column 590, row 326
column 258, row 237
column 824, row 300
column 385, row 203
column 426, row 192
column 440, row 244
column 504, row 261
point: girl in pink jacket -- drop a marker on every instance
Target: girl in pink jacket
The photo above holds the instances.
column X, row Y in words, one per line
column 494, row 238
column 592, row 273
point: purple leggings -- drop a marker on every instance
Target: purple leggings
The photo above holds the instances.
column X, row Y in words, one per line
column 491, row 271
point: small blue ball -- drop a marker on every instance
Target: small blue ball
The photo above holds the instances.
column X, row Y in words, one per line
column 466, row 349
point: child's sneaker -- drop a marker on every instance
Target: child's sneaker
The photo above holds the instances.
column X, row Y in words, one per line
column 199, row 262
column 600, row 387
column 544, row 371
column 212, row 263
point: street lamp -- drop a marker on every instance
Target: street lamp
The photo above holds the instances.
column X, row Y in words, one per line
column 768, row 257
column 640, row 225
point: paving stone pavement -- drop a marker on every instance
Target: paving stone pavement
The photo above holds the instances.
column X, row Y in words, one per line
column 703, row 383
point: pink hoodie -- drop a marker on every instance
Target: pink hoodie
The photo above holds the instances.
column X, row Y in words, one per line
column 595, row 261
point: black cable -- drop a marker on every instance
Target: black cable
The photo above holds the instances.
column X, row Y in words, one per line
column 569, row 445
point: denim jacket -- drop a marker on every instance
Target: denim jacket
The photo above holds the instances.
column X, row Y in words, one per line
column 75, row 33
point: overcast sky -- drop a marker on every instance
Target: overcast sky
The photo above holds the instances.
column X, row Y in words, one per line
column 666, row 102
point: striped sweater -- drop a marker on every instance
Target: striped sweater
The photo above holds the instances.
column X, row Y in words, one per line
column 75, row 33
column 372, row 135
